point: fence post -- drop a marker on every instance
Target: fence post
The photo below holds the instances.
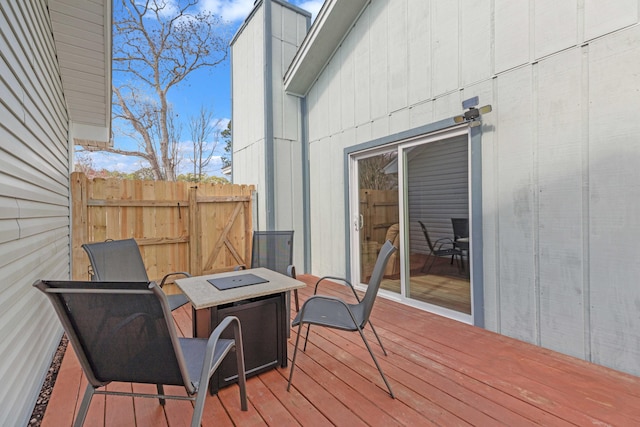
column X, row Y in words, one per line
column 195, row 238
column 79, row 225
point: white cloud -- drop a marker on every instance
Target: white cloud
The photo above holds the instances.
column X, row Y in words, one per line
column 115, row 162
column 312, row 6
column 220, row 124
column 229, row 10
column 238, row 10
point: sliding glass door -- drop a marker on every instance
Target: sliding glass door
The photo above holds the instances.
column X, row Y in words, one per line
column 414, row 193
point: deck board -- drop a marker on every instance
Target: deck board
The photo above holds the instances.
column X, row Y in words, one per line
column 442, row 372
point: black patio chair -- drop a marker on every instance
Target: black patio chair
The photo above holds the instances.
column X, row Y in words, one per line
column 121, row 261
column 274, row 250
column 335, row 313
column 461, row 237
column 125, row 332
column 443, row 247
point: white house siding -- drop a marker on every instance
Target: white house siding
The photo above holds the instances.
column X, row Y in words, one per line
column 560, row 153
column 288, row 29
column 34, row 202
column 247, row 62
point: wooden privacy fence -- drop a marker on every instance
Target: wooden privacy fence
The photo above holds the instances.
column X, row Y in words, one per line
column 379, row 210
column 179, row 226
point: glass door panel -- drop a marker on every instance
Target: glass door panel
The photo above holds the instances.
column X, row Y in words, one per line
column 378, row 213
column 413, row 193
column 436, row 195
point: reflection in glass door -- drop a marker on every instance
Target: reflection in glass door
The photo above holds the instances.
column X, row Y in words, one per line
column 436, row 201
column 377, row 212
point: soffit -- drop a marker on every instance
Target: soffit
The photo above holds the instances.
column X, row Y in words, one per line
column 82, row 35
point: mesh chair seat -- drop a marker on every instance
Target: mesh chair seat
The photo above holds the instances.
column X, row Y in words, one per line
column 334, row 313
column 123, row 331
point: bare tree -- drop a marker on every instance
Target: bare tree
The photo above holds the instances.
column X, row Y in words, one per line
column 84, row 164
column 156, row 45
column 201, row 128
column 372, row 173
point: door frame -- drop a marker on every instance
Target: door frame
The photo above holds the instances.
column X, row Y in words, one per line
column 428, row 132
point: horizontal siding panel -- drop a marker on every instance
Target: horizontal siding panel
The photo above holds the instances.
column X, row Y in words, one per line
column 11, row 92
column 37, row 76
column 35, row 226
column 13, row 252
column 92, row 41
column 9, row 208
column 34, row 200
column 9, row 230
column 11, row 186
column 29, row 311
column 87, row 11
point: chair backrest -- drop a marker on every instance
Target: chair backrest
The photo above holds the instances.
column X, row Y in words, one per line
column 272, row 250
column 460, row 227
column 426, row 236
column 116, row 261
column 376, row 279
column 120, row 331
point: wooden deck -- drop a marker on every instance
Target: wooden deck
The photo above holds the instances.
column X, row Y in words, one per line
column 442, row 372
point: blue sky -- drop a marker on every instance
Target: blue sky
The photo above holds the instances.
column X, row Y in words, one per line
column 209, row 88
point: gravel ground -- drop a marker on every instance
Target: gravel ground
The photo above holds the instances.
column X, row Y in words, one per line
column 47, row 387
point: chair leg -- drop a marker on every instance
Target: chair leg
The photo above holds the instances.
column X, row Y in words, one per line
column 306, row 338
column 295, row 353
column 426, row 270
column 160, row 389
column 377, row 337
column 242, row 378
column 84, row 407
column 373, row 356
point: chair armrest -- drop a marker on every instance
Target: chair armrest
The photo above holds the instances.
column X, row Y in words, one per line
column 291, row 271
column 210, row 364
column 239, row 267
column 182, row 273
column 341, row 279
column 443, row 241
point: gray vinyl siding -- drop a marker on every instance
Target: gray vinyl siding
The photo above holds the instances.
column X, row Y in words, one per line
column 438, row 190
column 34, row 202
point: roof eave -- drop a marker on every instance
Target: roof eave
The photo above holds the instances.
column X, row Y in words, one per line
column 331, row 26
column 88, row 126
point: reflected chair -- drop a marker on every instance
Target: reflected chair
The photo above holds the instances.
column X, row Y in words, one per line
column 124, row 331
column 461, row 236
column 121, row 261
column 274, row 250
column 443, row 247
column 335, row 313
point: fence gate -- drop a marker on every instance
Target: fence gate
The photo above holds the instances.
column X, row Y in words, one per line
column 180, row 226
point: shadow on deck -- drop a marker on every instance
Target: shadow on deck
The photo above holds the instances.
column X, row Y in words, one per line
column 443, row 373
